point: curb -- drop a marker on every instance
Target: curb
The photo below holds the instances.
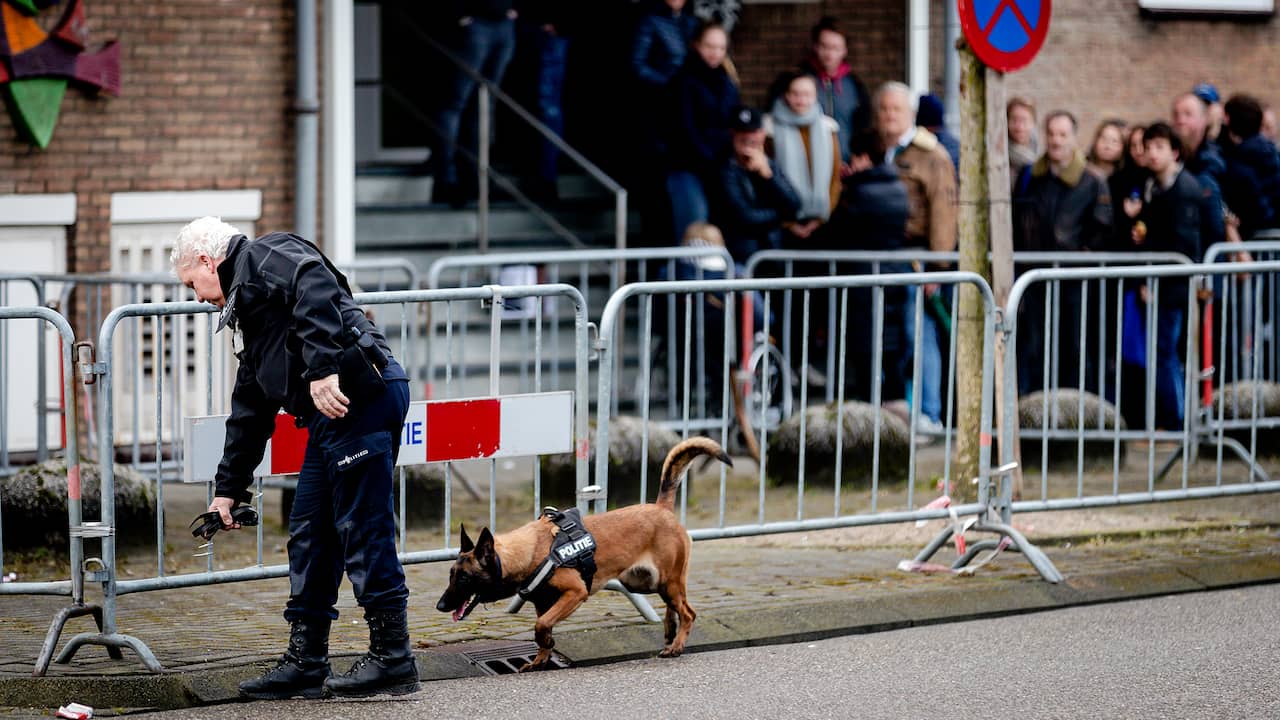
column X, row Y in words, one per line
column 965, row 599
column 817, row 621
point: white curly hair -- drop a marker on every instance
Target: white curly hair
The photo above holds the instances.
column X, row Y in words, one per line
column 903, row 89
column 202, row 236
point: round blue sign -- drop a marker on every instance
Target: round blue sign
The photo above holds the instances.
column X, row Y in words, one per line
column 1005, row 34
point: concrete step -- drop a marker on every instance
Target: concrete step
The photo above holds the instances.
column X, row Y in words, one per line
column 398, row 187
column 392, row 190
column 417, row 226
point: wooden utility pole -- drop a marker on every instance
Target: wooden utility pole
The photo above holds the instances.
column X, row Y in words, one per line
column 974, row 246
column 986, row 248
column 1001, row 277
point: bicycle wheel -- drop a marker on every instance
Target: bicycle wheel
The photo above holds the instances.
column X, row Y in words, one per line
column 770, row 400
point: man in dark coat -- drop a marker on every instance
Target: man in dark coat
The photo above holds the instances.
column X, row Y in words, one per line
column 1252, row 180
column 1203, row 158
column 871, row 215
column 755, row 199
column 308, row 348
column 1058, row 207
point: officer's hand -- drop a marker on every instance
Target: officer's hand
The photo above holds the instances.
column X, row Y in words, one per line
column 328, row 397
column 222, row 506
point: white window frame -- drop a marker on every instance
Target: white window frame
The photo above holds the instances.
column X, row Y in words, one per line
column 1210, row 7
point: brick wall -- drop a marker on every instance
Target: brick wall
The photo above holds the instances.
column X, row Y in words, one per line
column 772, row 38
column 204, row 106
column 1102, row 59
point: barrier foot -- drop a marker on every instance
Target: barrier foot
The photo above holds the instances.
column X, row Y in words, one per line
column 640, row 602
column 1032, row 553
column 1238, row 448
column 935, row 545
column 55, row 631
column 112, row 642
column 1235, row 446
column 974, row 549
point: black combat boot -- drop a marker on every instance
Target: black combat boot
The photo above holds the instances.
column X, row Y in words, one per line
column 388, row 668
column 302, row 670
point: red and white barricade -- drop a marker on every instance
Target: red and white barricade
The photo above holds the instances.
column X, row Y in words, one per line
column 434, row 431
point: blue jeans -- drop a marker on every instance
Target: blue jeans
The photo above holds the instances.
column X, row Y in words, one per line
column 485, row 45
column 688, row 201
column 1170, row 391
column 930, row 359
column 552, row 53
column 343, row 517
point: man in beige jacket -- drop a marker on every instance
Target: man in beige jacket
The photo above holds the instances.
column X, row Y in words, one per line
column 930, row 177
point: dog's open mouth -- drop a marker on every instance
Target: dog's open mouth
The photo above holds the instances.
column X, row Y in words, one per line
column 465, row 608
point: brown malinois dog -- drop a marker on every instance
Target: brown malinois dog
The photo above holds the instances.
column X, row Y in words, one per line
column 643, row 546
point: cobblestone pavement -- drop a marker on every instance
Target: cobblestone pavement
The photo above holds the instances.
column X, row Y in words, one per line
column 227, row 625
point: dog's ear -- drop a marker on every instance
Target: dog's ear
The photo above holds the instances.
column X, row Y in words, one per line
column 467, row 545
column 484, row 546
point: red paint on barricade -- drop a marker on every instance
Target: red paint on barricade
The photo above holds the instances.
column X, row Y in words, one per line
column 288, row 446
column 463, row 430
column 73, row 482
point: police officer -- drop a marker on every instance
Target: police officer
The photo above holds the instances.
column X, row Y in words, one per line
column 305, row 346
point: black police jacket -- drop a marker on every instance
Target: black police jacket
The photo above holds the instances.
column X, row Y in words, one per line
column 295, row 312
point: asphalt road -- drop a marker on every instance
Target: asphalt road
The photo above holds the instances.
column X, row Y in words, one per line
column 1206, row 655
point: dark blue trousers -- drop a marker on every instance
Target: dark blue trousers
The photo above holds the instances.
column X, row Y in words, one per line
column 343, row 516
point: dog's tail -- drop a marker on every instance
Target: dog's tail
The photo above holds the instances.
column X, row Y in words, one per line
column 678, row 460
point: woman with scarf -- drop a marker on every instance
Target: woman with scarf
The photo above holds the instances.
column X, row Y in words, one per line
column 806, row 145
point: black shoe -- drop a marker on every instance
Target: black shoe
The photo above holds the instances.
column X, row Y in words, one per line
column 388, row 668
column 302, row 670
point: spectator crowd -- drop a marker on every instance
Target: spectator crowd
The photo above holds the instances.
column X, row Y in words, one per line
column 823, row 164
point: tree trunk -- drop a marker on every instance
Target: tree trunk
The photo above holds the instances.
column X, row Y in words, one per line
column 974, row 237
column 1002, row 266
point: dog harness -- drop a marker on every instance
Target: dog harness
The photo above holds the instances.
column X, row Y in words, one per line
column 572, row 547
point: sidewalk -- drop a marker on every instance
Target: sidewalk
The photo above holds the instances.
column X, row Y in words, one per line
column 747, row 592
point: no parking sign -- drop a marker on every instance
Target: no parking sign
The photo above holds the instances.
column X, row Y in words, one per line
column 1005, row 34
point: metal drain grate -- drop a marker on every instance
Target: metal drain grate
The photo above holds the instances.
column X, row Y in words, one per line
column 509, row 659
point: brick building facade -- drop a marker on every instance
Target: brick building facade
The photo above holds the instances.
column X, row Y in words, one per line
column 207, row 89
column 770, row 38
column 1103, row 58
column 204, row 106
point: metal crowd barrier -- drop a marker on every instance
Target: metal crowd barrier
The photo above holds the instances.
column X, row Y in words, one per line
column 801, row 263
column 595, row 273
column 107, row 371
column 1200, row 426
column 1249, row 326
column 685, row 294
column 17, row 437
column 77, row 529
column 382, row 274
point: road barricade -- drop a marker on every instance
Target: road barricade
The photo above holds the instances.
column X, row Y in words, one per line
column 77, row 528
column 1147, row 400
column 481, row 416
column 865, row 330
